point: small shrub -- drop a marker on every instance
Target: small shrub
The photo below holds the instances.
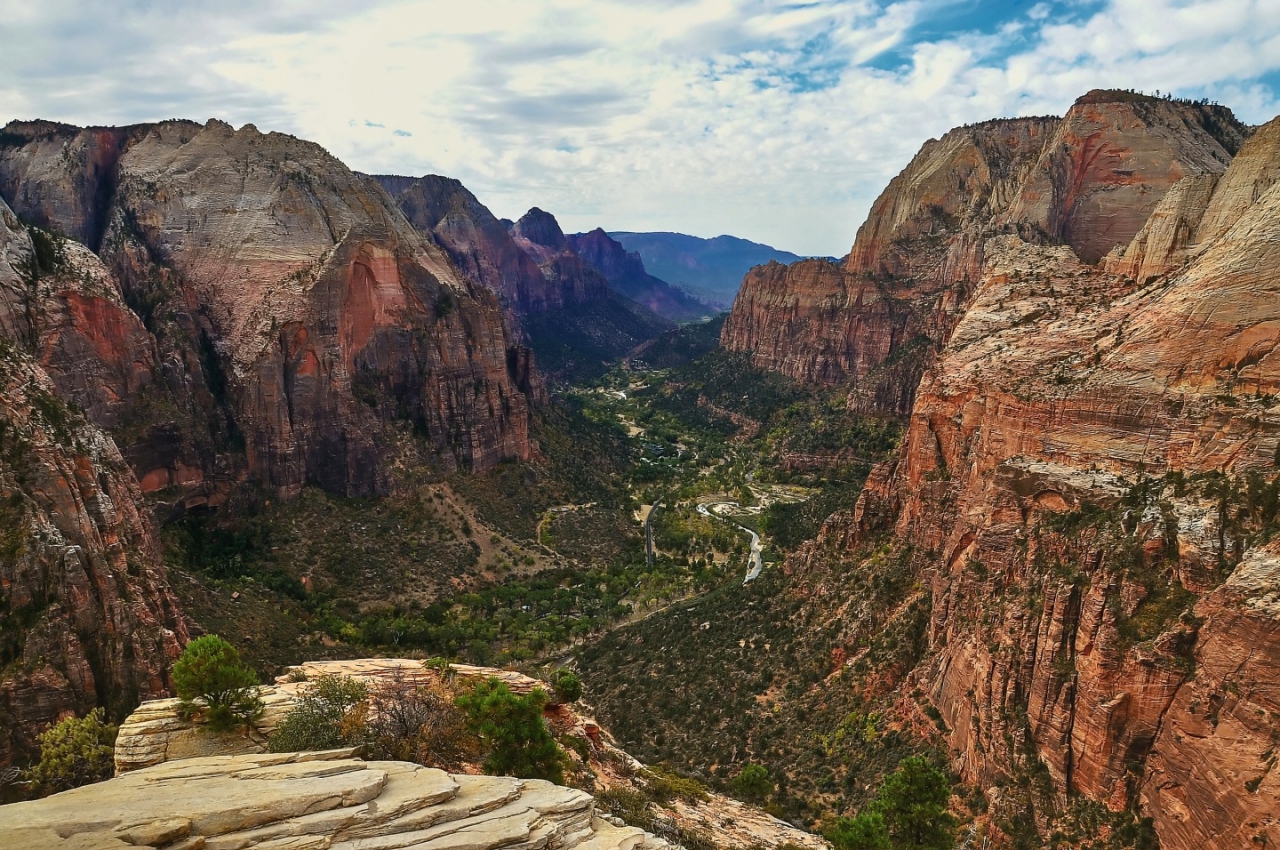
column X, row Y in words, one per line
column 210, row 675
column 76, row 751
column 566, row 686
column 665, row 786
column 409, row 722
column 511, row 728
column 322, row 719
column 753, row 784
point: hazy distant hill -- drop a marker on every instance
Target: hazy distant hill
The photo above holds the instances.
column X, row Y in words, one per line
column 710, row 269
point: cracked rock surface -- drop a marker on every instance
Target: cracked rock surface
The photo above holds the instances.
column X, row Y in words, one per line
column 314, row 800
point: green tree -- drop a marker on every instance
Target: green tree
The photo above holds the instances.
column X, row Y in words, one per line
column 317, row 721
column 76, row 751
column 210, row 675
column 511, row 728
column 864, row 832
column 567, row 686
column 753, row 783
column 913, row 804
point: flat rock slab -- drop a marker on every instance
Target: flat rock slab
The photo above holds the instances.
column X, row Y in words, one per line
column 312, row 800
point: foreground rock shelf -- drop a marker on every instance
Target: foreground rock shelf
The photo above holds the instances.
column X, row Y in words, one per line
column 302, row 801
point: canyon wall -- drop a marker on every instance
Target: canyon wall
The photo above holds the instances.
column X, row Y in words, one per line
column 1089, row 476
column 298, row 321
column 1089, row 180
column 86, row 615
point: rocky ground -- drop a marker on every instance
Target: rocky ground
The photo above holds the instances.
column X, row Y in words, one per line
column 325, row 800
column 156, row 735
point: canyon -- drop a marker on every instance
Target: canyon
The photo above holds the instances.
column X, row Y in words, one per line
column 1073, row 320
column 1091, row 306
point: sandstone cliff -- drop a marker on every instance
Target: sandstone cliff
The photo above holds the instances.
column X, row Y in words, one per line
column 86, row 616
column 1090, row 180
column 554, row 298
column 627, row 276
column 288, row 298
column 1090, row 475
column 479, row 244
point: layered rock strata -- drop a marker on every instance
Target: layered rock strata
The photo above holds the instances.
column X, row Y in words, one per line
column 156, row 733
column 1085, row 462
column 1090, row 180
column 314, row 800
column 286, row 294
column 86, row 615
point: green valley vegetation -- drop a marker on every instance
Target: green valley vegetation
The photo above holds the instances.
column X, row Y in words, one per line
column 529, row 563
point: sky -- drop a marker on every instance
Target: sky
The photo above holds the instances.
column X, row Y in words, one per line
column 774, row 121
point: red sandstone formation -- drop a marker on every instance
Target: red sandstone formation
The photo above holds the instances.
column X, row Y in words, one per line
column 289, row 300
column 1066, row 386
column 1090, row 180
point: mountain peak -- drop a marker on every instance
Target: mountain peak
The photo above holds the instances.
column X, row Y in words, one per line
column 541, row 228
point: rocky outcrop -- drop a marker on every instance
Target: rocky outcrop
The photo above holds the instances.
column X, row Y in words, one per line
column 627, row 276
column 157, row 731
column 86, row 616
column 1079, row 462
column 156, row 734
column 287, row 295
column 478, row 243
column 314, row 800
column 1090, row 181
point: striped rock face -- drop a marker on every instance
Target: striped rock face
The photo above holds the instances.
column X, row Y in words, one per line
column 314, row 800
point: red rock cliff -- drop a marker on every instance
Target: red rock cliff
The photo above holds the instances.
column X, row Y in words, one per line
column 1090, row 180
column 87, row 616
column 1088, row 459
column 291, row 301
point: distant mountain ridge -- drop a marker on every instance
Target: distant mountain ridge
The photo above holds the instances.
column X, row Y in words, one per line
column 578, row 302
column 626, row 273
column 709, row 269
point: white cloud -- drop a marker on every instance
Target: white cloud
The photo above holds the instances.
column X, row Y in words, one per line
column 778, row 121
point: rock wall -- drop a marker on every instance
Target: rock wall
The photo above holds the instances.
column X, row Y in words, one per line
column 1090, row 180
column 1077, row 471
column 86, row 615
column 294, row 310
